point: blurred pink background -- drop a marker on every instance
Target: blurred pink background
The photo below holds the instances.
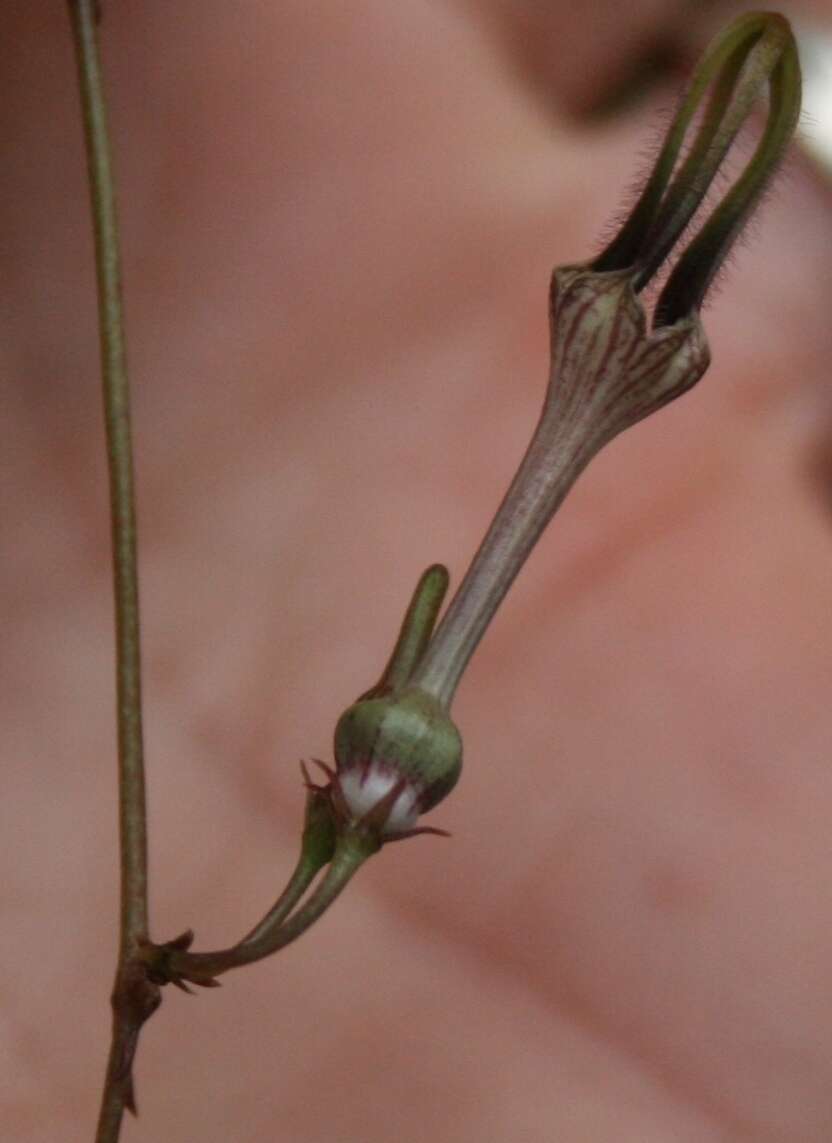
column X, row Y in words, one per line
column 339, row 223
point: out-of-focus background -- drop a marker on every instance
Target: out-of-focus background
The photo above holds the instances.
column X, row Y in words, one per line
column 339, row 224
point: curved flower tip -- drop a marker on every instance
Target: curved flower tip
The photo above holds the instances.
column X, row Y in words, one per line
column 755, row 52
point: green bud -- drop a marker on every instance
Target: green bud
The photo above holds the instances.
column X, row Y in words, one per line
column 396, row 757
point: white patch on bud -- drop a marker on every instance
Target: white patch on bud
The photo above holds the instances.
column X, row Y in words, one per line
column 362, row 788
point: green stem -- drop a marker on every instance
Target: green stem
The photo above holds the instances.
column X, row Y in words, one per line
column 303, row 876
column 133, row 997
column 351, row 851
column 120, row 467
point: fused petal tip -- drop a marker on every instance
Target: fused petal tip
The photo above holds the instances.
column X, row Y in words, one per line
column 755, row 52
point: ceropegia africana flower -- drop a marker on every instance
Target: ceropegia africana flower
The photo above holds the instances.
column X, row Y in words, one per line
column 397, row 751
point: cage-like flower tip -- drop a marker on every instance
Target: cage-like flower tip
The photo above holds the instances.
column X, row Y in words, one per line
column 755, row 51
column 396, row 757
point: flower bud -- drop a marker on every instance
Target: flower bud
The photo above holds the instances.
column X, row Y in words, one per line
column 396, row 757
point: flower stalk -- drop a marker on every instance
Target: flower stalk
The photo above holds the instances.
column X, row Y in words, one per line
column 174, row 963
column 316, row 852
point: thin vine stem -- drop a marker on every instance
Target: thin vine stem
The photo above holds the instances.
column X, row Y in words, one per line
column 304, row 874
column 173, row 962
column 134, row 997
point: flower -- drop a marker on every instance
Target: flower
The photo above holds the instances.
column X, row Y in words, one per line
column 612, row 365
column 397, row 751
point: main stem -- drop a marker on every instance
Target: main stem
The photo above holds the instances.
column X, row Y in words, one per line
column 133, row 997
